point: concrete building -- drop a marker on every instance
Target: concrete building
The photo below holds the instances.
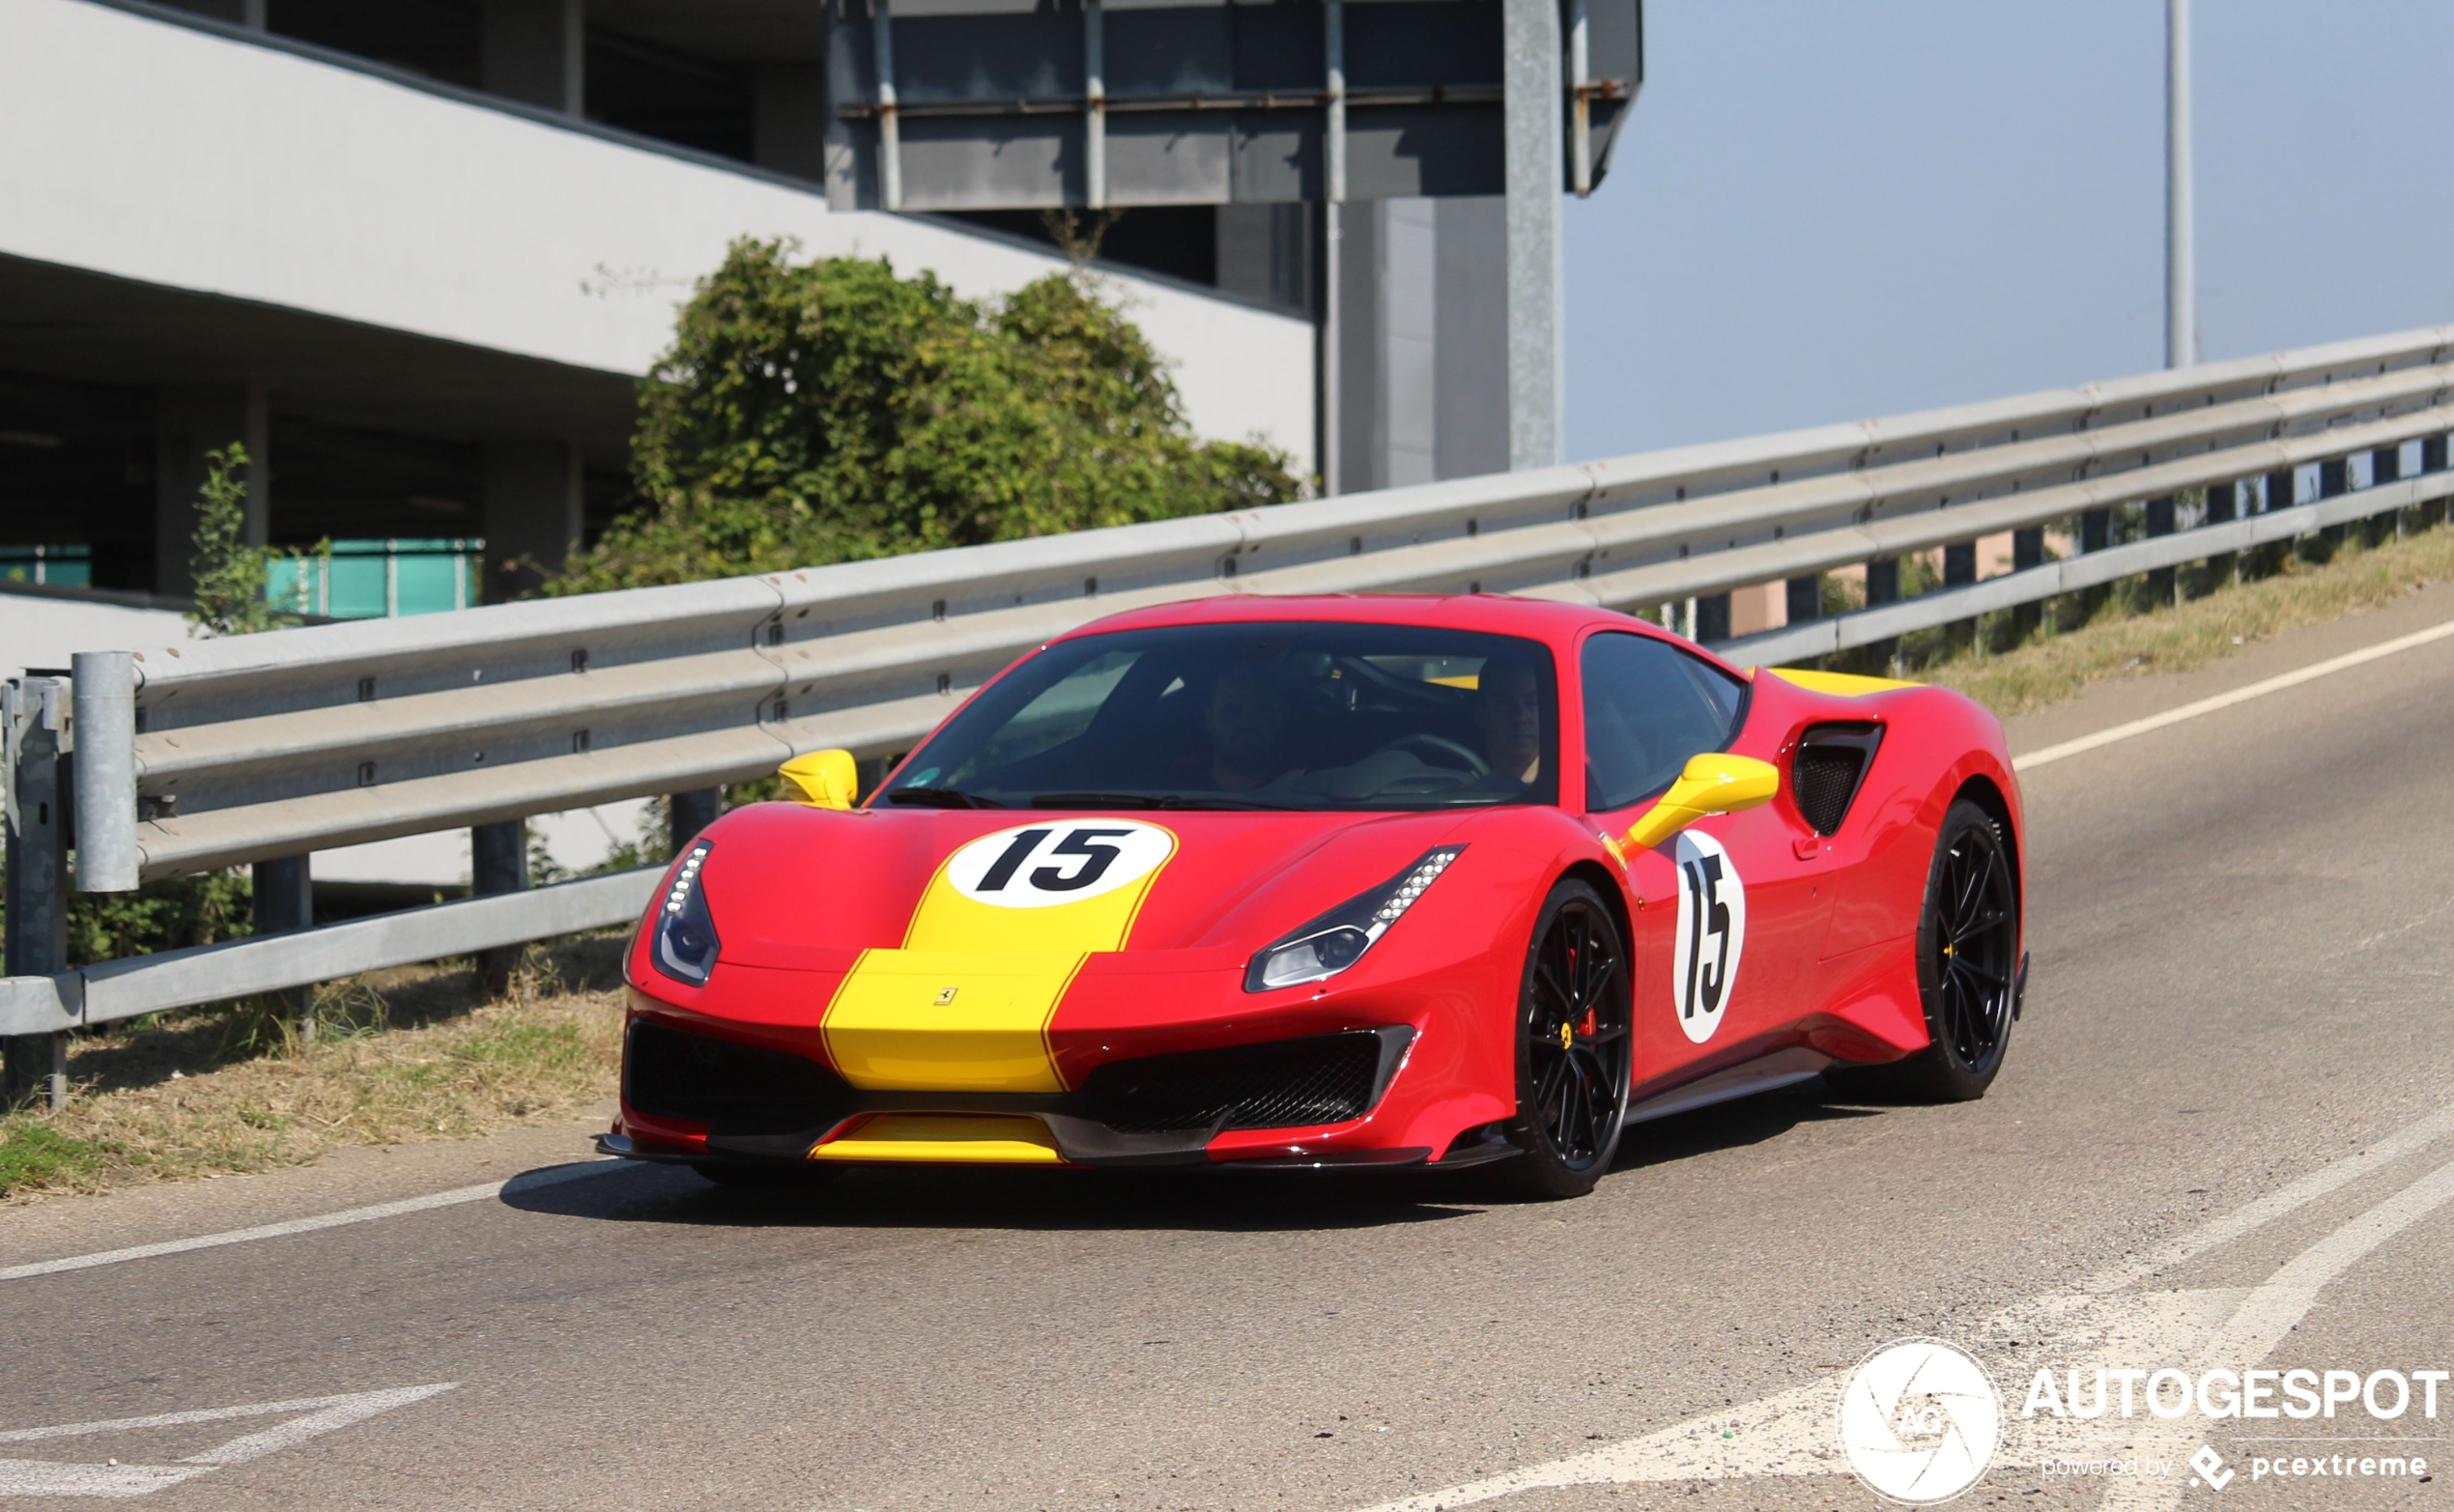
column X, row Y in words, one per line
column 413, row 253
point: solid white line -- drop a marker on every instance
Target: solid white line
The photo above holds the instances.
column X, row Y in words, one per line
column 2225, row 700
column 2274, row 1308
column 329, row 1220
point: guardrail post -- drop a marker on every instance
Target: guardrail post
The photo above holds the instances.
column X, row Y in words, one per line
column 1805, row 599
column 33, row 714
column 2163, row 583
column 1712, row 618
column 1883, row 587
column 2433, row 460
column 2334, row 479
column 2028, row 550
column 2223, row 506
column 282, row 891
column 497, row 863
column 2386, row 466
column 104, row 713
column 693, row 812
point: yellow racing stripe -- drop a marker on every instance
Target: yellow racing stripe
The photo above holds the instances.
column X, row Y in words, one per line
column 964, row 1005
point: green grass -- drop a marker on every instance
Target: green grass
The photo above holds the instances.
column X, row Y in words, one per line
column 32, row 1155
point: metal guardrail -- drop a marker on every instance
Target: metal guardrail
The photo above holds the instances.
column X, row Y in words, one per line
column 271, row 746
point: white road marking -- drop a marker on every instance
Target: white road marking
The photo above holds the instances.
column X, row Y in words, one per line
column 319, row 1414
column 328, row 1220
column 2277, row 1306
column 1794, row 1433
column 2225, row 700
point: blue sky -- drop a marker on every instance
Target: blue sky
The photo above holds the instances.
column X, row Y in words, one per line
column 1823, row 212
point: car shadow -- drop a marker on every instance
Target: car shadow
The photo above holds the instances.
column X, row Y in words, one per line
column 1024, row 1198
column 1735, row 1124
column 997, row 1197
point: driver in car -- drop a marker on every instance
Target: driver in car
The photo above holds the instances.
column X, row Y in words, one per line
column 1247, row 723
column 1508, row 713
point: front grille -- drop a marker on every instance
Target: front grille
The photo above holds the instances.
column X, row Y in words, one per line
column 734, row 1089
column 1277, row 1084
column 1825, row 774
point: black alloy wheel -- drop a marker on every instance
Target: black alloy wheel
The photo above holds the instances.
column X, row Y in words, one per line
column 1573, row 1047
column 1967, row 967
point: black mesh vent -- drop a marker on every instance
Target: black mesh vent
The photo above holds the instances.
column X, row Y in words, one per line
column 1279, row 1084
column 735, row 1089
column 1824, row 775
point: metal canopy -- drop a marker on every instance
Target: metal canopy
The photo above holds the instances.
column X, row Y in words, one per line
column 1010, row 104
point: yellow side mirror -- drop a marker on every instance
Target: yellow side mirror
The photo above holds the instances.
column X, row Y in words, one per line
column 826, row 778
column 1715, row 781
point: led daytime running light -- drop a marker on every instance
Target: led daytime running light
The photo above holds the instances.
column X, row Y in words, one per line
column 1336, row 940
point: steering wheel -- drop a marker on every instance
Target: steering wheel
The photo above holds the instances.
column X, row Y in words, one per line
column 1442, row 746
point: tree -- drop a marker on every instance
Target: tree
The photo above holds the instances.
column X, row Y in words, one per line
column 833, row 411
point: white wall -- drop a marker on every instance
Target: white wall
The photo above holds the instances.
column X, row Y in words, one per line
column 175, row 156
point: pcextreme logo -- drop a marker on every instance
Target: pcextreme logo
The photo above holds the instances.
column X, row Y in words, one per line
column 1920, row 1421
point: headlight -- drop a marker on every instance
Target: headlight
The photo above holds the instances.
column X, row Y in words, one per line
column 1337, row 939
column 682, row 942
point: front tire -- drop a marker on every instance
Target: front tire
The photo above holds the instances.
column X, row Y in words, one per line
column 1575, row 1047
column 1967, row 966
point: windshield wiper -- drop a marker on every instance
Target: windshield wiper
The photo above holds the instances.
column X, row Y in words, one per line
column 940, row 798
column 1149, row 801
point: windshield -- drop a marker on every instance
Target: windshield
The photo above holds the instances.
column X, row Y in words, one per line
column 1254, row 716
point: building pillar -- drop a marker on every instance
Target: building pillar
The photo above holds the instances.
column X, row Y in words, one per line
column 534, row 51
column 188, row 424
column 1532, row 112
column 788, row 119
column 532, row 498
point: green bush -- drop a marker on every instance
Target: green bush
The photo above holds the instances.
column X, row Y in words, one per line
column 834, row 412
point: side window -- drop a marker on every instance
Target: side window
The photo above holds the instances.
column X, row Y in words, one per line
column 1648, row 706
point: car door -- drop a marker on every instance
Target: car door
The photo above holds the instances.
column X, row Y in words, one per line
column 1728, row 915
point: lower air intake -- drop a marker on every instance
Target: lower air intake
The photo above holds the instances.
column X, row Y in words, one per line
column 734, row 1089
column 1277, row 1084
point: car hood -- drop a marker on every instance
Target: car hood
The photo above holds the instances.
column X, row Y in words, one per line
column 790, row 886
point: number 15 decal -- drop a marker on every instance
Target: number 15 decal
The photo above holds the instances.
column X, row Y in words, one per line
column 1712, row 932
column 1044, row 864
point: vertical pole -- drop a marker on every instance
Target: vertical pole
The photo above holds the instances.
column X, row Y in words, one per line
column 2181, row 292
column 1529, row 69
column 31, row 713
column 889, row 135
column 1094, row 106
column 497, row 863
column 2433, row 460
column 1332, row 366
column 1580, row 78
column 2334, row 479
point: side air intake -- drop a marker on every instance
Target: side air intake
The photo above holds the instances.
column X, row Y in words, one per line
column 1828, row 770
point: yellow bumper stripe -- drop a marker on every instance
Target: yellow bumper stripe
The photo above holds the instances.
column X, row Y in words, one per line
column 992, row 1139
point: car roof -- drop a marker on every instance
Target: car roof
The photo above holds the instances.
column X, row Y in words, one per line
column 1496, row 614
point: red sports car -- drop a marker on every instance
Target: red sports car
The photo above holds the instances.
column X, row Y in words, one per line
column 1346, row 881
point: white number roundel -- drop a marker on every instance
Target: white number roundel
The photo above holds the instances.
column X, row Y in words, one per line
column 1712, row 932
column 1063, row 861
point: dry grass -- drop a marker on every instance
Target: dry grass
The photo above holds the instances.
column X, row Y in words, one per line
column 397, row 1056
column 2054, row 667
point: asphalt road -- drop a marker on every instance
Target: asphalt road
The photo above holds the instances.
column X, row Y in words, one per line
column 2242, row 930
